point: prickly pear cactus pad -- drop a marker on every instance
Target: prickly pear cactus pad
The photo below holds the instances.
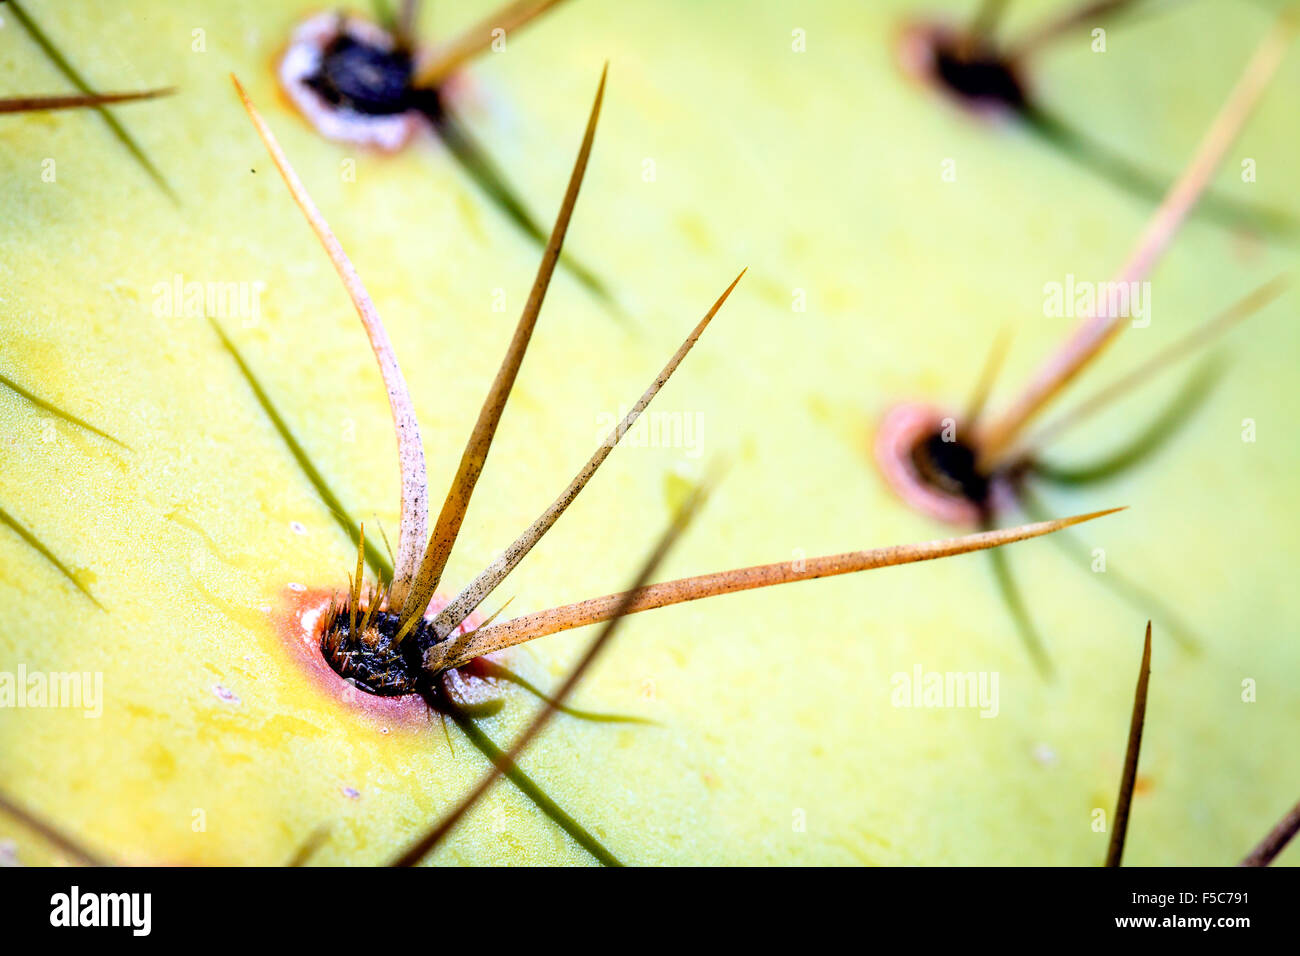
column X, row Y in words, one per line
column 1006, row 263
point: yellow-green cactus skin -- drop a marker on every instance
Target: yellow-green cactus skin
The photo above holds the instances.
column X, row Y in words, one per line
column 891, row 236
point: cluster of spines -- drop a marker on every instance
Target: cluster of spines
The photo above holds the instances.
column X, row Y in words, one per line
column 997, row 440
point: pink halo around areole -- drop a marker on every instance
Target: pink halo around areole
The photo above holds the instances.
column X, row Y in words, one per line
column 902, row 428
column 299, row 622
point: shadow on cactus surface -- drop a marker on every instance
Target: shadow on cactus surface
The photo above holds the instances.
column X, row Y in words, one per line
column 196, row 437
